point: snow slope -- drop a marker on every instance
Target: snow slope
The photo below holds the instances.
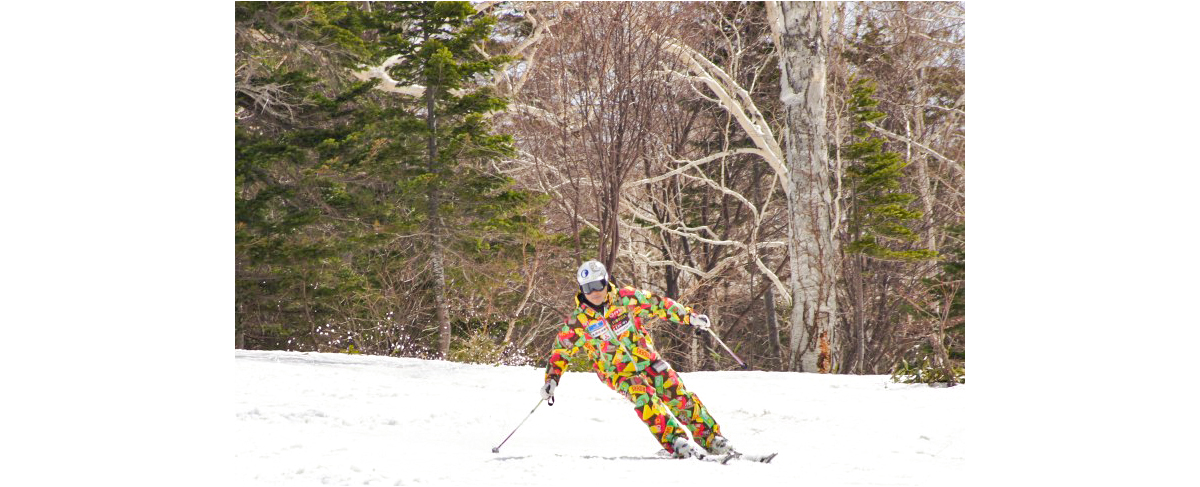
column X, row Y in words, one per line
column 318, row 419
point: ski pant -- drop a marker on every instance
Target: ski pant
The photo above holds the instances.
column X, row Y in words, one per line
column 657, row 390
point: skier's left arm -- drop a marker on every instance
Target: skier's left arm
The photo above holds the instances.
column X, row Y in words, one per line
column 645, row 304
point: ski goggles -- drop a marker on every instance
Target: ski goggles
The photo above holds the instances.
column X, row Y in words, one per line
column 594, row 286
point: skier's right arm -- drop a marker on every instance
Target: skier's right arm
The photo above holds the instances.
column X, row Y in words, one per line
column 566, row 345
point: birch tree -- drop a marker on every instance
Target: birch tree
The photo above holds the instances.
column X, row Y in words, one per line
column 801, row 34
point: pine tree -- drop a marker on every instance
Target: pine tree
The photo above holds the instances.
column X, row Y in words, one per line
column 348, row 197
column 439, row 38
column 878, row 237
column 291, row 109
column 879, row 210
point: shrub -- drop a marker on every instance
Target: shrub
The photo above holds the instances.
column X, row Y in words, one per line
column 925, row 373
column 479, row 348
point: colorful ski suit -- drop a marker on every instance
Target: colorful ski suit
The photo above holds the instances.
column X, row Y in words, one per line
column 623, row 357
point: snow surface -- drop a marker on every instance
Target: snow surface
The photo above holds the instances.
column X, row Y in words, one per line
column 337, row 419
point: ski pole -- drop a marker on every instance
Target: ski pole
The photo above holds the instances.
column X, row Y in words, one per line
column 734, row 355
column 497, row 448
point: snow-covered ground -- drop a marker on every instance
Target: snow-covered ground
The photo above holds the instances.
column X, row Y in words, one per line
column 336, row 419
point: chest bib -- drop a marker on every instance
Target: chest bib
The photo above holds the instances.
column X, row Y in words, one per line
column 609, row 328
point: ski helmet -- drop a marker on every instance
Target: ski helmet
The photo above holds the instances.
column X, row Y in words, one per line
column 592, row 276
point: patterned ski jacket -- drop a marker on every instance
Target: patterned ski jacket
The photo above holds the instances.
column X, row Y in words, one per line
column 615, row 339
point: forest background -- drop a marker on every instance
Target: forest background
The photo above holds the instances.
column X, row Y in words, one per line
column 119, row 281
column 422, row 179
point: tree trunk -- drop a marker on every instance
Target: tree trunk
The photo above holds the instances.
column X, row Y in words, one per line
column 858, row 303
column 437, row 255
column 802, row 30
column 672, row 280
column 772, row 323
column 439, row 297
column 693, row 352
column 530, row 283
column 924, row 188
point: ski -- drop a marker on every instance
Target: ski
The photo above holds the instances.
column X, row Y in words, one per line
column 755, row 458
column 627, row 457
column 728, row 457
column 721, row 459
column 724, row 459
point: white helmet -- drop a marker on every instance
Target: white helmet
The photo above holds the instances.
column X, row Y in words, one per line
column 592, row 276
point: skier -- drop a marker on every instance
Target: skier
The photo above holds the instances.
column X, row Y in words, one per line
column 607, row 324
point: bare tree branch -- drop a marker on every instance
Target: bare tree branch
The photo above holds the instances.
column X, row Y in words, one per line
column 692, row 164
column 919, row 145
column 734, row 100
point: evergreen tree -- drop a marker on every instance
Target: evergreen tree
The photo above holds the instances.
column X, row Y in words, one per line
column 879, row 210
column 878, row 238
column 290, row 210
column 349, row 198
column 438, row 39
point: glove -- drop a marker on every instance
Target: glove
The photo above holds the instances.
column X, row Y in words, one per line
column 548, row 389
column 701, row 322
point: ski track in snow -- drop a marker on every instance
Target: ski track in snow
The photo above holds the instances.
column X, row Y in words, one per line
column 336, row 419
